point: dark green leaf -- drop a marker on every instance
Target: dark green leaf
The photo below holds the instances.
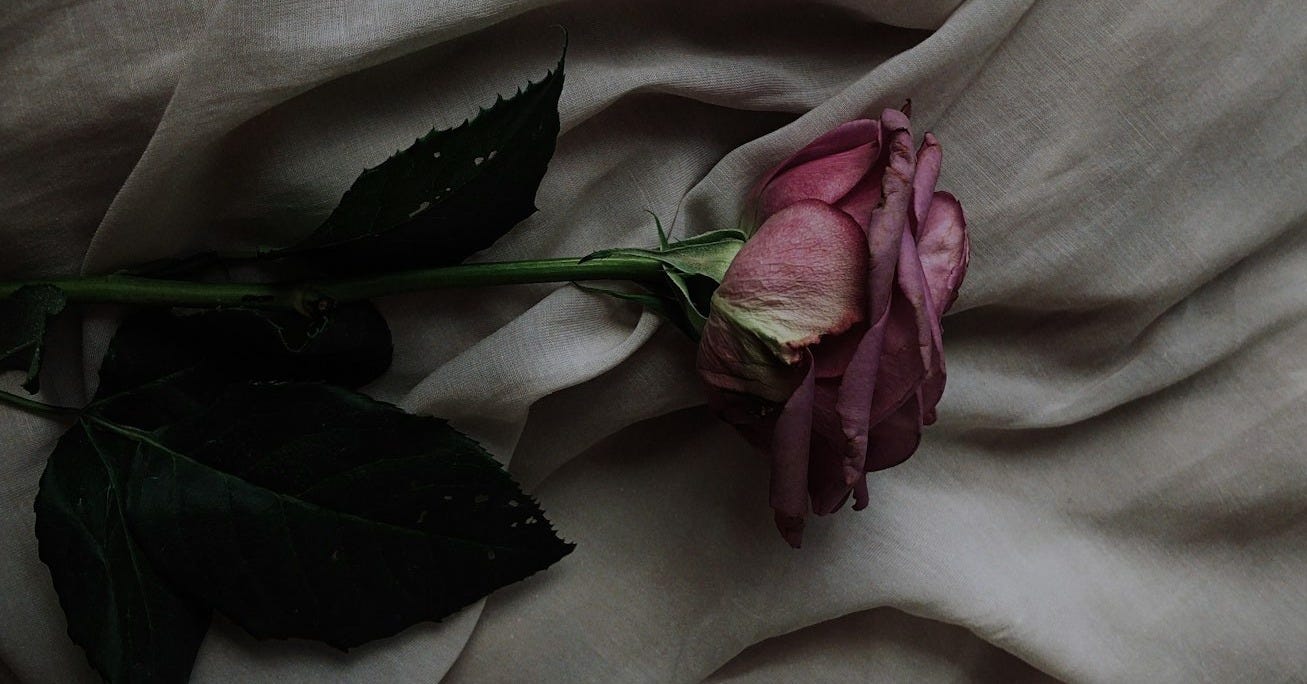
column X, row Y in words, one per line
column 302, row 510
column 23, row 319
column 197, row 354
column 452, row 193
column 349, row 345
column 133, row 627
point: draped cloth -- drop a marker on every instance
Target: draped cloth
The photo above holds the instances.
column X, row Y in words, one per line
column 1116, row 489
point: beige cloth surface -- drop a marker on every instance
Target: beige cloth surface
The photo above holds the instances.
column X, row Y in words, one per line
column 1116, row 490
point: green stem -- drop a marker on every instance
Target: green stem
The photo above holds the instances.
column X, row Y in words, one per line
column 308, row 296
column 35, row 407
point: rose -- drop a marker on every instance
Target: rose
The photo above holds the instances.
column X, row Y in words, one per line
column 823, row 345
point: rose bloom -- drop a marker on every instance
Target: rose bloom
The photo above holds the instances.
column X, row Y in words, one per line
column 823, row 342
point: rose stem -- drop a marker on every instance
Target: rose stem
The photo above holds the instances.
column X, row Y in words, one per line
column 312, row 296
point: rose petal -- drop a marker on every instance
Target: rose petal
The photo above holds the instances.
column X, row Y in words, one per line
column 944, row 248
column 836, row 351
column 733, row 362
column 929, row 338
column 929, row 158
column 885, row 234
column 826, row 483
column 789, row 459
column 799, row 278
column 894, row 439
column 840, row 139
column 901, row 368
column 895, row 120
column 827, row 179
column 863, row 198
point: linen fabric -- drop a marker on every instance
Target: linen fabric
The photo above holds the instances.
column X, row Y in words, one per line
column 1115, row 490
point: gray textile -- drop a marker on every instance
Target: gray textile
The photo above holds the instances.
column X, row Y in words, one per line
column 1116, row 489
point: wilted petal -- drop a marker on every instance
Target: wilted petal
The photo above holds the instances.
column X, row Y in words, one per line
column 799, row 278
column 789, row 459
column 885, row 235
column 826, row 484
column 901, row 368
column 944, row 248
column 929, row 158
column 914, row 289
column 734, row 363
column 846, row 137
column 836, row 351
column 895, row 120
column 826, row 179
column 861, row 201
column 894, row 439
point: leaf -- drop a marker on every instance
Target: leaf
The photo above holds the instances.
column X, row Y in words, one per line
column 303, row 510
column 352, row 473
column 451, row 194
column 133, row 627
column 24, row 316
column 200, row 353
column 349, row 345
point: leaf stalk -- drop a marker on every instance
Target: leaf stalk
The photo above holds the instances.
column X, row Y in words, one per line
column 35, row 407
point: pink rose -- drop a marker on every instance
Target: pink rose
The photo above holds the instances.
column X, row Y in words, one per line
column 823, row 342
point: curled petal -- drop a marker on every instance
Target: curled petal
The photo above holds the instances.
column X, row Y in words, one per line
column 929, row 158
column 826, row 483
column 862, row 199
column 901, row 368
column 895, row 120
column 944, row 249
column 925, row 322
column 789, row 459
column 894, row 439
column 826, row 179
column 862, row 134
column 885, row 235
